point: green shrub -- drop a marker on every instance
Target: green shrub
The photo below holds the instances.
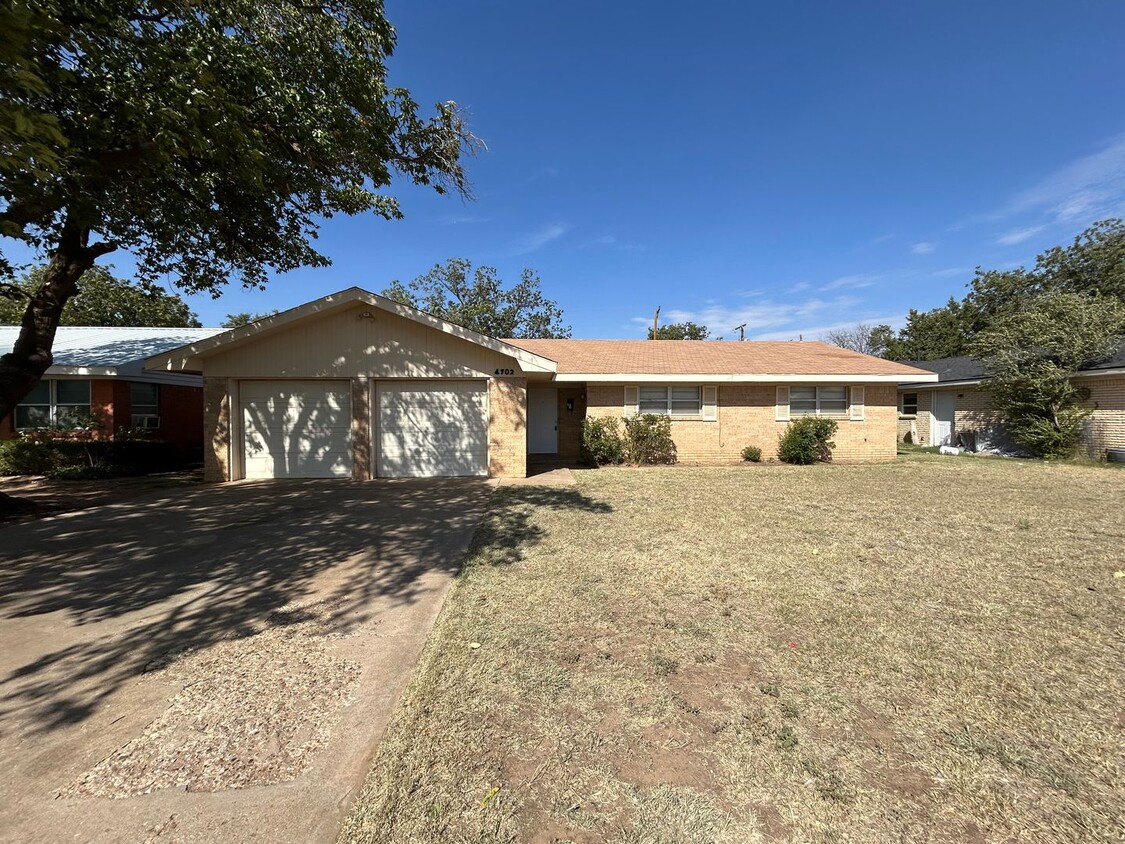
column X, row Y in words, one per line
column 601, row 442
column 64, row 457
column 807, row 440
column 752, row 453
column 648, row 439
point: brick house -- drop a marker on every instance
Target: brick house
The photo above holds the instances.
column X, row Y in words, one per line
column 356, row 385
column 933, row 414
column 100, row 371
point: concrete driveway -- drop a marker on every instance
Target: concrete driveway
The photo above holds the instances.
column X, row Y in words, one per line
column 217, row 663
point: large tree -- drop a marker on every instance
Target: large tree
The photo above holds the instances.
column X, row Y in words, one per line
column 862, row 337
column 207, row 139
column 244, row 318
column 1032, row 352
column 681, row 331
column 477, row 299
column 1093, row 265
column 103, row 299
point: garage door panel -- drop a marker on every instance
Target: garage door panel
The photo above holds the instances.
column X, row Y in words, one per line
column 296, row 429
column 432, row 429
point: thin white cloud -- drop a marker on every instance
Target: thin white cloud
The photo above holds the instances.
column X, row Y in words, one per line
column 540, row 238
column 765, row 315
column 1086, row 189
column 923, row 248
column 609, row 241
column 849, row 282
column 1019, row 235
column 883, row 238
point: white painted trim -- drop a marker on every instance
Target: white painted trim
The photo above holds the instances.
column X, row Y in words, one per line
column 726, row 378
column 185, row 358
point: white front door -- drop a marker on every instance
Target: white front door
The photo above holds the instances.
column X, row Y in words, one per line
column 296, row 429
column 432, row 429
column 941, row 428
column 543, row 421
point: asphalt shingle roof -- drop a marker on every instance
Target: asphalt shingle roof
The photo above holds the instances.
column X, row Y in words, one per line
column 708, row 357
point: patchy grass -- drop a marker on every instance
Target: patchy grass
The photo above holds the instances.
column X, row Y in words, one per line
column 929, row 650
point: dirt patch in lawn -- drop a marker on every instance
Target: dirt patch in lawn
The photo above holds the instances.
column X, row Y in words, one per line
column 918, row 651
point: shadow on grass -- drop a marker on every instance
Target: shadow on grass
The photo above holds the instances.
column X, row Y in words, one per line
column 509, row 527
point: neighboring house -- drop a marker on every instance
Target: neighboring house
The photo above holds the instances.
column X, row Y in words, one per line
column 933, row 414
column 356, row 385
column 100, row 371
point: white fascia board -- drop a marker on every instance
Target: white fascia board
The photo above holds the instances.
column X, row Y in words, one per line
column 187, row 358
column 734, row 377
column 83, row 371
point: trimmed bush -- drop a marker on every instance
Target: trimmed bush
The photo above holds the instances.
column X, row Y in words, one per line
column 752, row 454
column 601, row 442
column 807, row 440
column 648, row 439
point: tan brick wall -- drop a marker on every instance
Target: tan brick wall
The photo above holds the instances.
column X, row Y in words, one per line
column 507, row 427
column 746, row 417
column 1106, row 427
column 216, row 430
column 570, row 422
column 973, row 410
column 919, row 423
column 361, row 429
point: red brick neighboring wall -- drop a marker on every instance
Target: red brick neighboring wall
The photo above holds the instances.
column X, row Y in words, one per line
column 746, row 417
column 181, row 418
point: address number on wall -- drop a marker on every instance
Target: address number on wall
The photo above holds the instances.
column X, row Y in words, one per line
column 505, row 372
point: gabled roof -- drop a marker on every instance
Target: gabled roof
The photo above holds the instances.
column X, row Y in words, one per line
column 188, row 358
column 715, row 360
column 83, row 350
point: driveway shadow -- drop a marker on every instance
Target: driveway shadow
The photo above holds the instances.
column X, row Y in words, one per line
column 136, row 582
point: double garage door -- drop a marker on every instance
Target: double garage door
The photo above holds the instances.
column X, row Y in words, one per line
column 302, row 429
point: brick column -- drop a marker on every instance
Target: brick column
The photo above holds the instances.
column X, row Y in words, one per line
column 507, row 427
column 216, row 430
column 361, row 428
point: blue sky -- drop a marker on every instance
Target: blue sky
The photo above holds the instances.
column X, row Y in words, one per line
column 795, row 166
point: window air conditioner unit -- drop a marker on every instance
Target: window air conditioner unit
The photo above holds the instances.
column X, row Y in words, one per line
column 149, row 423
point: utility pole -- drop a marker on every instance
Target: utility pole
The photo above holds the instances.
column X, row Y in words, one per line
column 741, row 329
column 656, row 324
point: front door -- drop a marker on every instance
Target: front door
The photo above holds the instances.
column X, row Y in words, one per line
column 942, row 430
column 543, row 421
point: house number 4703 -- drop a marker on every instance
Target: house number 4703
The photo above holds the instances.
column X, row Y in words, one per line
column 505, row 372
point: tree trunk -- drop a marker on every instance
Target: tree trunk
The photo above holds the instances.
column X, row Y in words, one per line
column 21, row 368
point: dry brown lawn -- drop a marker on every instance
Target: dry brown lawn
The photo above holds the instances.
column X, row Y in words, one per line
column 924, row 651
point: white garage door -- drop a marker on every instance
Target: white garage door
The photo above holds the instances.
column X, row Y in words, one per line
column 296, row 429
column 432, row 429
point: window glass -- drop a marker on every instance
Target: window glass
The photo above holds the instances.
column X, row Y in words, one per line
column 685, row 401
column 654, row 400
column 72, row 393
column 143, row 398
column 802, row 400
column 40, row 394
column 33, row 416
column 909, row 403
column 833, row 400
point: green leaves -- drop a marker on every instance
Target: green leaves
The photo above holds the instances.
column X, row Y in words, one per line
column 103, row 299
column 1033, row 351
column 209, row 140
column 479, row 301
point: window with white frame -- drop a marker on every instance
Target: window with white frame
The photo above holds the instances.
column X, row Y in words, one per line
column 818, row 401
column 670, row 401
column 144, row 401
column 909, row 404
column 54, row 402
